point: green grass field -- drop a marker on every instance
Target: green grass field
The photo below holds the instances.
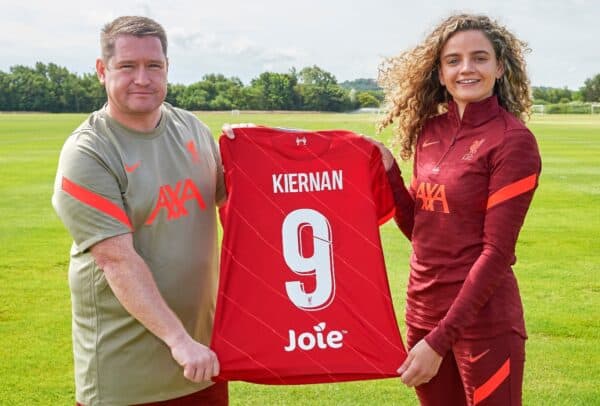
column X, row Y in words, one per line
column 558, row 268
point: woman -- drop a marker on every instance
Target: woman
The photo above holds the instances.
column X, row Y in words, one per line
column 460, row 99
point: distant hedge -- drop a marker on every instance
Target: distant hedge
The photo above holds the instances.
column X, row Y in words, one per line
column 568, row 108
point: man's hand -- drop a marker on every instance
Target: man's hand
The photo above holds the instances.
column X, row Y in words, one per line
column 133, row 284
column 421, row 364
column 386, row 155
column 228, row 128
column 199, row 362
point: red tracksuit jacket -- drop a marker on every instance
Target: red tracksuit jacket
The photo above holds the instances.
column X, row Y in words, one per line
column 473, row 181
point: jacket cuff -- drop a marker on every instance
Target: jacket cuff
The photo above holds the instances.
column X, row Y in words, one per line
column 438, row 341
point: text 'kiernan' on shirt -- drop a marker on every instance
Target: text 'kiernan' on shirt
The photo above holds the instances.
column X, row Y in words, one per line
column 308, row 181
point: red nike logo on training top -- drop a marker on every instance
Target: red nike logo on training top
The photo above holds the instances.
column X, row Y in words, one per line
column 476, row 358
column 133, row 167
column 426, row 144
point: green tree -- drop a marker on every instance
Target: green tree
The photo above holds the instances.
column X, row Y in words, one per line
column 65, row 89
column 319, row 90
column 228, row 92
column 552, row 94
column 275, row 91
column 29, row 88
column 91, row 93
column 361, row 85
column 366, row 99
column 174, row 92
column 221, row 102
column 6, row 102
column 213, row 92
column 313, row 75
column 591, row 89
column 194, row 97
column 324, row 98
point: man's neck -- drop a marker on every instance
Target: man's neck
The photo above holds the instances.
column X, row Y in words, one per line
column 142, row 122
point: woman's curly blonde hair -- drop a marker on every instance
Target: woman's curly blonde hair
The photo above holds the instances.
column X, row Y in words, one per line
column 413, row 92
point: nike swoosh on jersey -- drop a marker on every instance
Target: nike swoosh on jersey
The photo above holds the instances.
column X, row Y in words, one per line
column 476, row 358
column 428, row 143
column 133, row 167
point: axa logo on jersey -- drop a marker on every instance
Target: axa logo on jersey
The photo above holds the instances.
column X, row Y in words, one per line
column 319, row 339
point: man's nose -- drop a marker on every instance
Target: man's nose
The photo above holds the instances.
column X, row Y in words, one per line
column 142, row 76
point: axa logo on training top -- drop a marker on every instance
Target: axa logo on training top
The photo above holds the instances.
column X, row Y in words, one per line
column 319, row 339
column 433, row 197
column 173, row 199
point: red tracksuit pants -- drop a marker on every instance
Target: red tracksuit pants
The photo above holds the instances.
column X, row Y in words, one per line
column 482, row 372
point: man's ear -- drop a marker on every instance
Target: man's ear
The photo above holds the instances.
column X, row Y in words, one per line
column 100, row 70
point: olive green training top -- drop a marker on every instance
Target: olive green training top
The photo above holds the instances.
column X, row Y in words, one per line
column 161, row 186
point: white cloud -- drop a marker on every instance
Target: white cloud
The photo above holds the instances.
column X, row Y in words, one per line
column 244, row 38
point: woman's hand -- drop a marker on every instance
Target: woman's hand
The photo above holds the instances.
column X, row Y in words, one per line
column 421, row 364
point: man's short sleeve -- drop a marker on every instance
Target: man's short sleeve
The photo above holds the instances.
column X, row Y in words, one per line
column 87, row 196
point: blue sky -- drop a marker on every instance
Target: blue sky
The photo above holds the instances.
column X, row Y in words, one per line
column 347, row 38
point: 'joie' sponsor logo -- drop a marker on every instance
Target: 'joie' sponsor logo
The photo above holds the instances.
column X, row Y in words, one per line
column 319, row 339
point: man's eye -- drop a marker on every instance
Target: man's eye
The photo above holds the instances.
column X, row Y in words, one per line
column 125, row 68
column 155, row 66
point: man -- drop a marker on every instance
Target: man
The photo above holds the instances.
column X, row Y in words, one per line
column 137, row 185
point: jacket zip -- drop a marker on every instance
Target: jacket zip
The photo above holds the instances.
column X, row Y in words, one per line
column 436, row 167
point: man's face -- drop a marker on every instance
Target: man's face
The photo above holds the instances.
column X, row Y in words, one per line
column 135, row 77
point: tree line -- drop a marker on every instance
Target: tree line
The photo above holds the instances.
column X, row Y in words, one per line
column 589, row 92
column 52, row 88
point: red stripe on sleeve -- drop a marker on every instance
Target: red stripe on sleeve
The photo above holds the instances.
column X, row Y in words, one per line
column 512, row 190
column 98, row 202
column 492, row 384
column 387, row 217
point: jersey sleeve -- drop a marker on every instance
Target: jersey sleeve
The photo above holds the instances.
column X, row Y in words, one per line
column 382, row 192
column 403, row 200
column 220, row 192
column 226, row 168
column 87, row 196
column 515, row 168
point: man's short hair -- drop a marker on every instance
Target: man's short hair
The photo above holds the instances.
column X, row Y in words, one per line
column 130, row 25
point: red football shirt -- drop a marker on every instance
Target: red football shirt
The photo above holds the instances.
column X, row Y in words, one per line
column 303, row 292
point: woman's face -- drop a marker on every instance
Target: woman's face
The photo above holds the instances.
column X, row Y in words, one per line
column 468, row 67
